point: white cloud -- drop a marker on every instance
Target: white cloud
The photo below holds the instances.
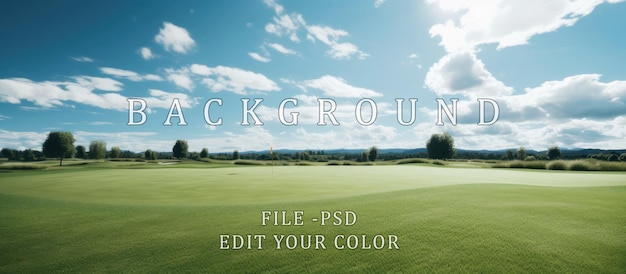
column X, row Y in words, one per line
column 99, row 83
column 3, row 117
column 22, row 139
column 507, row 23
column 49, row 94
column 174, row 38
column 284, row 24
column 146, row 53
column 83, row 59
column 258, row 57
column 180, row 77
column 278, row 9
column 235, row 80
column 378, row 3
column 289, row 25
column 576, row 97
column 462, row 73
column 330, row 37
column 337, row 87
column 326, row 34
column 100, row 123
column 162, row 99
column 280, row 48
column 129, row 75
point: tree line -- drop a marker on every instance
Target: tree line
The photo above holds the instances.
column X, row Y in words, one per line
column 60, row 145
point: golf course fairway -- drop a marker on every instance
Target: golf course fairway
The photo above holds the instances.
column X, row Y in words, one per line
column 95, row 218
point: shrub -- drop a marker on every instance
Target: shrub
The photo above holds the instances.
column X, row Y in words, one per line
column 500, row 165
column 248, row 163
column 530, row 158
column 556, row 165
column 412, row 161
column 580, row 165
column 439, row 163
column 517, row 164
column 333, row 163
column 22, row 167
column 612, row 166
column 535, row 165
column 347, row 163
column 303, row 164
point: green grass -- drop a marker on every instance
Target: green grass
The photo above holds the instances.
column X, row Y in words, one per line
column 168, row 218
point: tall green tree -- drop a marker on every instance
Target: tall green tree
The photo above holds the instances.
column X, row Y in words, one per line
column 7, row 153
column 59, row 145
column 510, row 154
column 521, row 153
column 440, row 146
column 180, row 149
column 97, row 150
column 151, row 155
column 236, row 155
column 364, row 157
column 204, row 153
column 373, row 153
column 554, row 153
column 116, row 152
column 81, row 152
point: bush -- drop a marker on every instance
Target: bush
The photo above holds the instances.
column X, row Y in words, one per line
column 556, row 165
column 22, row 167
column 347, row 163
column 303, row 164
column 612, row 166
column 530, row 158
column 535, row 165
column 248, row 163
column 439, row 163
column 500, row 165
column 580, row 165
column 517, row 164
column 412, row 161
column 333, row 163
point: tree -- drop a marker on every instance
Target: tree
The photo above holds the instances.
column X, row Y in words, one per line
column 510, row 155
column 622, row 157
column 554, row 153
column 97, row 150
column 521, row 153
column 364, row 157
column 204, row 153
column 7, row 153
column 28, row 155
column 81, row 152
column 180, row 149
column 115, row 152
column 372, row 153
column 59, row 145
column 151, row 155
column 235, row 155
column 440, row 146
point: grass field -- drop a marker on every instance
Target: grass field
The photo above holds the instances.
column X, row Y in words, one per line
column 123, row 217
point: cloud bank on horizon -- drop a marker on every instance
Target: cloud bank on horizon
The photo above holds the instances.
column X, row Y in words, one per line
column 555, row 68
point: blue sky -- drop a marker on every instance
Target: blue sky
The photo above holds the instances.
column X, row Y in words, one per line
column 556, row 69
